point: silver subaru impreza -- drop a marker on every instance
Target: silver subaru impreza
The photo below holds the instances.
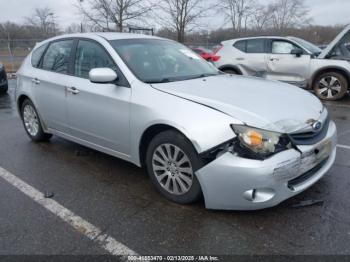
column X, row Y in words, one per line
column 242, row 143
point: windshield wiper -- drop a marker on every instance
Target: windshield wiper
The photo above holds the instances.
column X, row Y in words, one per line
column 159, row 81
column 203, row 75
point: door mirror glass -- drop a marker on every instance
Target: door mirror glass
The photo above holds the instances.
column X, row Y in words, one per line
column 102, row 75
column 297, row 52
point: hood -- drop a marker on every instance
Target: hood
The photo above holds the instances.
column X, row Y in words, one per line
column 264, row 104
column 335, row 42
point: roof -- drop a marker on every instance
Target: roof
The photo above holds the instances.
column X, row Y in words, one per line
column 254, row 37
column 107, row 36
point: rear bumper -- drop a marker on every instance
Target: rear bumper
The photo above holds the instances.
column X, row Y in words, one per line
column 234, row 183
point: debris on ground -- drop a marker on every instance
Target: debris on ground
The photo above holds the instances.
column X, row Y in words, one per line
column 308, row 203
column 48, row 194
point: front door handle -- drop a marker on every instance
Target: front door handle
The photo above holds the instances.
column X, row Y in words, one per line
column 274, row 59
column 73, row 90
column 36, row 81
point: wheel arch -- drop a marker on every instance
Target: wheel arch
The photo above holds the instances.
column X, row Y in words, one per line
column 323, row 70
column 231, row 67
column 20, row 101
column 150, row 133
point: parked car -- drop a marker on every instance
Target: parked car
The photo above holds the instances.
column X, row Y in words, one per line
column 3, row 79
column 199, row 132
column 291, row 60
column 206, row 54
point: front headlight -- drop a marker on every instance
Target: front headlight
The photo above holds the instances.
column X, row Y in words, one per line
column 259, row 144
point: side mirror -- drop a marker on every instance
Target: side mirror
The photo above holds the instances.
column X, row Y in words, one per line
column 297, row 52
column 102, row 75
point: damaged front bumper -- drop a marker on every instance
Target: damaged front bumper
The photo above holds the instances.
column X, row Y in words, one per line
column 234, row 183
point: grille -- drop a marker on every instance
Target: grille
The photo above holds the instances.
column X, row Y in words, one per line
column 301, row 179
column 312, row 137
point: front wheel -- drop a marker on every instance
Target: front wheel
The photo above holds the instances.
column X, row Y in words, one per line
column 171, row 164
column 330, row 86
column 31, row 122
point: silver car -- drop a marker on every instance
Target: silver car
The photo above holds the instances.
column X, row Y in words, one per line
column 292, row 60
column 241, row 143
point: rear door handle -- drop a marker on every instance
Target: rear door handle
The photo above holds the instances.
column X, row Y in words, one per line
column 240, row 59
column 274, row 59
column 36, row 81
column 73, row 90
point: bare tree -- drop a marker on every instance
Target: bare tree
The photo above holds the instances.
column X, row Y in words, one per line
column 44, row 19
column 289, row 13
column 261, row 17
column 183, row 15
column 112, row 15
column 238, row 12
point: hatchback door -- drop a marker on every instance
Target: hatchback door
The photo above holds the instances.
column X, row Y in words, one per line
column 284, row 66
column 49, row 81
column 98, row 113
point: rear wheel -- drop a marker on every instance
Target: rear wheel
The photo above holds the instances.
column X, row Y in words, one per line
column 171, row 164
column 31, row 122
column 331, row 86
column 230, row 71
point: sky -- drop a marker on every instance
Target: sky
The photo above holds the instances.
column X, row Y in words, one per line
column 323, row 12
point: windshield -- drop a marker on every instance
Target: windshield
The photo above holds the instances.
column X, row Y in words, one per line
column 159, row 61
column 307, row 45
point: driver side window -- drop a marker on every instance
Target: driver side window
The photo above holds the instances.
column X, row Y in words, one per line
column 90, row 55
column 282, row 47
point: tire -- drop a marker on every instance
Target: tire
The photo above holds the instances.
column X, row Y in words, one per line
column 330, row 86
column 230, row 72
column 4, row 89
column 183, row 187
column 32, row 124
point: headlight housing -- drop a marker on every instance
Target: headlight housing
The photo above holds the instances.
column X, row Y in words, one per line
column 259, row 144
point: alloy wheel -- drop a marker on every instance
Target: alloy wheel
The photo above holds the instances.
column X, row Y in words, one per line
column 329, row 87
column 173, row 169
column 31, row 121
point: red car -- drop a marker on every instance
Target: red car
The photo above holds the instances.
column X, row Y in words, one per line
column 206, row 54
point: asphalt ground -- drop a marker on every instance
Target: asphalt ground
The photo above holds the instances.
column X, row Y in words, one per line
column 118, row 198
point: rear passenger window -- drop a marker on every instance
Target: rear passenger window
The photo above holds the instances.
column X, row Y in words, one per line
column 256, row 46
column 37, row 54
column 57, row 56
column 241, row 45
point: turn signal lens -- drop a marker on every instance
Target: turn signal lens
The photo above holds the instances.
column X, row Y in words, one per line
column 253, row 138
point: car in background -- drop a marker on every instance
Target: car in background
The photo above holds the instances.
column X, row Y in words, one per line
column 197, row 131
column 206, row 54
column 3, row 79
column 292, row 60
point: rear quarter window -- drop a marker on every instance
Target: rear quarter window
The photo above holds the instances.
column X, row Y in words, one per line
column 37, row 55
column 241, row 45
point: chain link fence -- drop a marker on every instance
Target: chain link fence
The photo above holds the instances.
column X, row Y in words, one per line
column 14, row 51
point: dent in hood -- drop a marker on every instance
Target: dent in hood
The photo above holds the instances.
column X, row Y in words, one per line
column 269, row 105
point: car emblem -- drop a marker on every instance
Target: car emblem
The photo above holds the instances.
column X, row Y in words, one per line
column 316, row 125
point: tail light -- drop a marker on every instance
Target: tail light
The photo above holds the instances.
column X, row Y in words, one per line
column 215, row 58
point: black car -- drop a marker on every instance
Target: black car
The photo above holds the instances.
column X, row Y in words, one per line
column 3, row 79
